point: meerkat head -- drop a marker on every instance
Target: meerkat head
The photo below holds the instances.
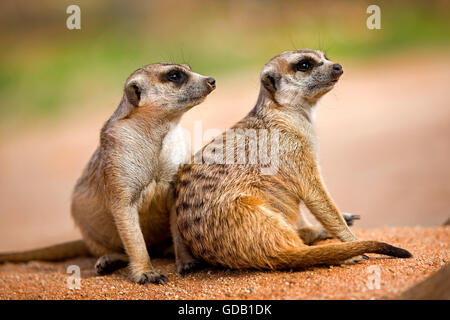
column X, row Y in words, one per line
column 169, row 88
column 297, row 77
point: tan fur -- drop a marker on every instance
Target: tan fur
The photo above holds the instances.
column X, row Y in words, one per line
column 121, row 201
column 235, row 216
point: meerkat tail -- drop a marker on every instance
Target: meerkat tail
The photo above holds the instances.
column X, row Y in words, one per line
column 335, row 253
column 57, row 252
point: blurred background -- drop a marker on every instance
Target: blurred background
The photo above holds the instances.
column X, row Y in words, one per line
column 384, row 130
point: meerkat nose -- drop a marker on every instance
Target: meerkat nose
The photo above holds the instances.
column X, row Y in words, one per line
column 337, row 68
column 211, row 82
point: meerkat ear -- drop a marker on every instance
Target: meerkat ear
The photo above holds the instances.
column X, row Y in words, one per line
column 271, row 80
column 133, row 91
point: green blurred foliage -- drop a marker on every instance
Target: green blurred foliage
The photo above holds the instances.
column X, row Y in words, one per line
column 46, row 68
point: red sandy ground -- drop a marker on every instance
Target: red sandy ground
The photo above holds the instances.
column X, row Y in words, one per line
column 384, row 137
column 430, row 247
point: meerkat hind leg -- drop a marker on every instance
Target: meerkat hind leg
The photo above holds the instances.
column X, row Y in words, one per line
column 311, row 234
column 350, row 219
column 184, row 261
column 308, row 232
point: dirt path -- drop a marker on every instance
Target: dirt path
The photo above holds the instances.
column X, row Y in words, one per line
column 430, row 247
column 384, row 145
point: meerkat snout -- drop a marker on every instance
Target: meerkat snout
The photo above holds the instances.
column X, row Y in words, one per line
column 337, row 68
column 211, row 83
column 336, row 72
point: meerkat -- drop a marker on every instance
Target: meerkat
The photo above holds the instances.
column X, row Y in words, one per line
column 121, row 202
column 237, row 216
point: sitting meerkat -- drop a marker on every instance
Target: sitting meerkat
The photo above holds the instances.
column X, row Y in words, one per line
column 122, row 200
column 236, row 215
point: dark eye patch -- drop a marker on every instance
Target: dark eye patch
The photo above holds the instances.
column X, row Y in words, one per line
column 304, row 65
column 176, row 76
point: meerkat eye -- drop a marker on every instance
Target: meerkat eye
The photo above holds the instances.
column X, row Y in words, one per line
column 176, row 76
column 304, row 65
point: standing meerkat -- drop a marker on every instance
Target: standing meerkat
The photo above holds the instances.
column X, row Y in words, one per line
column 236, row 215
column 121, row 201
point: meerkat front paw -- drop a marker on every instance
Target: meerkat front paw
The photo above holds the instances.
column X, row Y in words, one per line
column 184, row 268
column 350, row 218
column 110, row 262
column 149, row 277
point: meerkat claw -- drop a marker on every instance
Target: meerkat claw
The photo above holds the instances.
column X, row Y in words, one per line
column 350, row 218
column 356, row 259
column 111, row 262
column 103, row 267
column 188, row 267
column 152, row 277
